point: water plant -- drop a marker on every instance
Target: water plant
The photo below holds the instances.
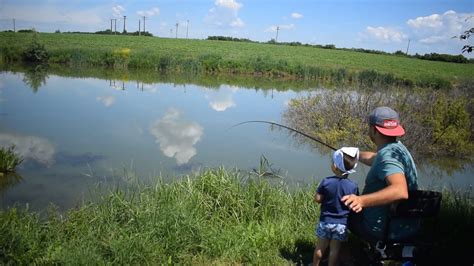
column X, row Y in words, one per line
column 9, row 160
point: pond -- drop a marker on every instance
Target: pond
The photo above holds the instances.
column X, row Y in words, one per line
column 78, row 134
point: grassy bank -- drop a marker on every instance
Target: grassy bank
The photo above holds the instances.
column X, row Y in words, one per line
column 217, row 217
column 180, row 55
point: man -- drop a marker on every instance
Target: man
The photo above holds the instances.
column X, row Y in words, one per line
column 392, row 174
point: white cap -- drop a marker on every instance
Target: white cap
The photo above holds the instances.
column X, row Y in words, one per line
column 338, row 158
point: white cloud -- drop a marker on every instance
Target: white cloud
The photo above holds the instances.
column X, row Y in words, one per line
column 117, row 11
column 106, row 100
column 437, row 28
column 225, row 13
column 221, row 99
column 230, row 4
column 237, row 23
column 384, row 34
column 155, row 11
column 273, row 28
column 432, row 21
column 30, row 147
column 176, row 137
column 296, row 15
column 56, row 15
column 432, row 39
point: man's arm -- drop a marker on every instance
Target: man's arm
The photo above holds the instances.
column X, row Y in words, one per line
column 396, row 189
column 367, row 157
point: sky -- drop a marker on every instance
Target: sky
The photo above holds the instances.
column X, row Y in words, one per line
column 421, row 26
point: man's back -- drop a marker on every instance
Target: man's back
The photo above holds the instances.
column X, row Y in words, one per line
column 391, row 158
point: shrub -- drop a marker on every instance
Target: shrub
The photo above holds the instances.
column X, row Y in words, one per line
column 9, row 160
column 36, row 52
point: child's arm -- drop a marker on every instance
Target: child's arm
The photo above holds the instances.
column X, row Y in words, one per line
column 318, row 198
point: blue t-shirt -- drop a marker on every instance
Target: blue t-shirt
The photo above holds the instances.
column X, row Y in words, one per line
column 391, row 158
column 332, row 189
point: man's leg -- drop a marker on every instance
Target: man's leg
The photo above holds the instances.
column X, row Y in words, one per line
column 357, row 227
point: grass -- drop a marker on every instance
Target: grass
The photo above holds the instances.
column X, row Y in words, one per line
column 217, row 217
column 180, row 55
column 8, row 160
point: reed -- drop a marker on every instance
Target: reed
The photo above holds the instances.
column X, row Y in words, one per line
column 218, row 217
column 9, row 160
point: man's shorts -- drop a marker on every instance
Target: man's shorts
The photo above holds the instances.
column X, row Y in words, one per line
column 331, row 231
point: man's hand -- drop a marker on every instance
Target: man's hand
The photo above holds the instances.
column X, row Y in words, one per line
column 396, row 189
column 354, row 202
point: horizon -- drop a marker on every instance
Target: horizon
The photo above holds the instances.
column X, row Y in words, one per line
column 419, row 26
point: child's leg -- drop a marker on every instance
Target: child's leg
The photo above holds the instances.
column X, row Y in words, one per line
column 321, row 246
column 334, row 247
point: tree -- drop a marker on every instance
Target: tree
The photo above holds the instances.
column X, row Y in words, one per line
column 467, row 48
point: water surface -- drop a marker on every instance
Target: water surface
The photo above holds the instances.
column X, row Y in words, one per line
column 76, row 133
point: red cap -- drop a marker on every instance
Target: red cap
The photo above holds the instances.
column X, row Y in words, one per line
column 391, row 128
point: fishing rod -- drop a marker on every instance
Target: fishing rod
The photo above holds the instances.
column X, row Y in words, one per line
column 289, row 128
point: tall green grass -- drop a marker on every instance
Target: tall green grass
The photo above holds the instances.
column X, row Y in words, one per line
column 179, row 55
column 217, row 217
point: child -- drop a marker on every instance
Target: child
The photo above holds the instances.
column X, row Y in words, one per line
column 331, row 230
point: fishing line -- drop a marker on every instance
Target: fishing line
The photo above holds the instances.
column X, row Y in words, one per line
column 289, row 128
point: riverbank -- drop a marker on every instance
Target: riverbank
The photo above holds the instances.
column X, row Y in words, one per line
column 265, row 60
column 218, row 217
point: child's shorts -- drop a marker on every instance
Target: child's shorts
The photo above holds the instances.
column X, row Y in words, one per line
column 331, row 231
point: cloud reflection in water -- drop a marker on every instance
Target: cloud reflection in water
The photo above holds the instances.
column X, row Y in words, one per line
column 175, row 136
column 221, row 99
column 30, row 147
column 106, row 100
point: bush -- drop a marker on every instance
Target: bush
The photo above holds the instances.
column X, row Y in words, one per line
column 9, row 160
column 36, row 52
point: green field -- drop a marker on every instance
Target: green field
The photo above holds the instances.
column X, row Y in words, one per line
column 181, row 55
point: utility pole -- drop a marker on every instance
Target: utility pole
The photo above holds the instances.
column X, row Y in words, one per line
column 187, row 28
column 139, row 29
column 144, row 18
column 276, row 38
column 111, row 24
column 124, row 20
column 408, row 46
column 177, row 25
column 115, row 26
column 14, row 26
